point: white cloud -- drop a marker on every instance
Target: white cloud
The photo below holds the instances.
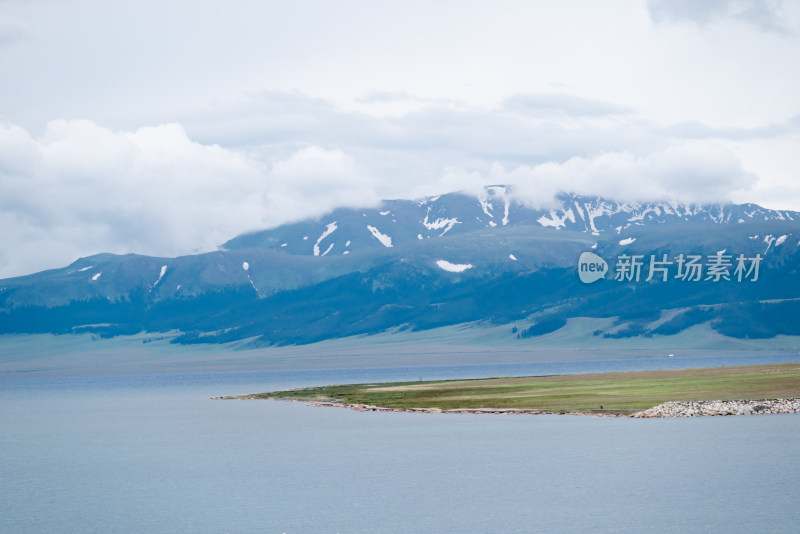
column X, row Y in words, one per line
column 475, row 53
column 762, row 14
column 12, row 32
column 702, row 172
column 560, row 104
column 216, row 124
column 690, row 173
column 313, row 181
column 81, row 189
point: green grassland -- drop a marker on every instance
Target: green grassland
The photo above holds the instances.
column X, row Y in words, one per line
column 565, row 393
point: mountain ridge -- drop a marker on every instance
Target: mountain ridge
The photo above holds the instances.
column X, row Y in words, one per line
column 462, row 212
column 481, row 258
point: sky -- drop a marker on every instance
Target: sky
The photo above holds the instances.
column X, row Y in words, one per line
column 166, row 128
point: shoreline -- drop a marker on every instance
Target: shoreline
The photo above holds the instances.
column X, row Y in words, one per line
column 740, row 390
column 671, row 409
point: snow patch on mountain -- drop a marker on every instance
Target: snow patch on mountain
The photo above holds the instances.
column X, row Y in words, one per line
column 593, row 212
column 627, row 241
column 253, row 285
column 768, row 239
column 329, row 229
column 780, row 240
column 385, row 240
column 161, row 275
column 434, row 217
column 85, row 268
column 95, row 277
column 513, row 257
column 486, row 206
column 453, row 267
column 246, row 267
column 438, row 224
column 642, row 215
column 580, row 212
column 557, row 221
column 719, row 218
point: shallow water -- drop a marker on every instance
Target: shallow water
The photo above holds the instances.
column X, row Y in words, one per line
column 152, row 453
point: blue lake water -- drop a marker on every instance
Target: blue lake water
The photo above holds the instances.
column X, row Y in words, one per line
column 152, row 453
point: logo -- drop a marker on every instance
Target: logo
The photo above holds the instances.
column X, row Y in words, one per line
column 683, row 267
column 591, row 267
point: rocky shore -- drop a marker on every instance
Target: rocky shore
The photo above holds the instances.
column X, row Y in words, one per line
column 709, row 408
column 668, row 409
column 372, row 408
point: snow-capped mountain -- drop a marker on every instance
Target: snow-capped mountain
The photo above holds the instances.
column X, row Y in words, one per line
column 444, row 260
column 398, row 222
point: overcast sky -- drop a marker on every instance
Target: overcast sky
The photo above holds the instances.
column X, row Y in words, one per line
column 166, row 128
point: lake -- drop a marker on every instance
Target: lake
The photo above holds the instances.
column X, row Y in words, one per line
column 152, row 453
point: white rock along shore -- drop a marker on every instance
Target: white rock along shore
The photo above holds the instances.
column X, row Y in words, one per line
column 667, row 409
column 706, row 408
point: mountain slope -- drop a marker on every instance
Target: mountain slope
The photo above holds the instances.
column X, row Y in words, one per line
column 439, row 261
column 398, row 222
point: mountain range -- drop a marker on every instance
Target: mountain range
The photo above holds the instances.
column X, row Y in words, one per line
column 453, row 259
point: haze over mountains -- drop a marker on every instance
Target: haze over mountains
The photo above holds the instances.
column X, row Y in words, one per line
column 446, row 260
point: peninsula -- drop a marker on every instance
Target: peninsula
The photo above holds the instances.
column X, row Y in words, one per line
column 752, row 389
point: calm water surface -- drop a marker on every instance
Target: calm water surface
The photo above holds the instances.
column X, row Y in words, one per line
column 154, row 454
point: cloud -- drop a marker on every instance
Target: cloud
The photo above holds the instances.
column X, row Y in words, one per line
column 688, row 10
column 560, row 104
column 446, row 146
column 764, row 15
column 12, row 32
column 81, row 189
column 191, row 139
column 698, row 130
column 527, row 128
column 696, row 172
column 314, row 181
column 19, row 153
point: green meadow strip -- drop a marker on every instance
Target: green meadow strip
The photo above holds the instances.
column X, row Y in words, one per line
column 567, row 393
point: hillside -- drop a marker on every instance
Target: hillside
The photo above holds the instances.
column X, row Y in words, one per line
column 447, row 260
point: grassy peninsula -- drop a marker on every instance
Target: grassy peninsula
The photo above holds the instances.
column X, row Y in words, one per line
column 622, row 392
